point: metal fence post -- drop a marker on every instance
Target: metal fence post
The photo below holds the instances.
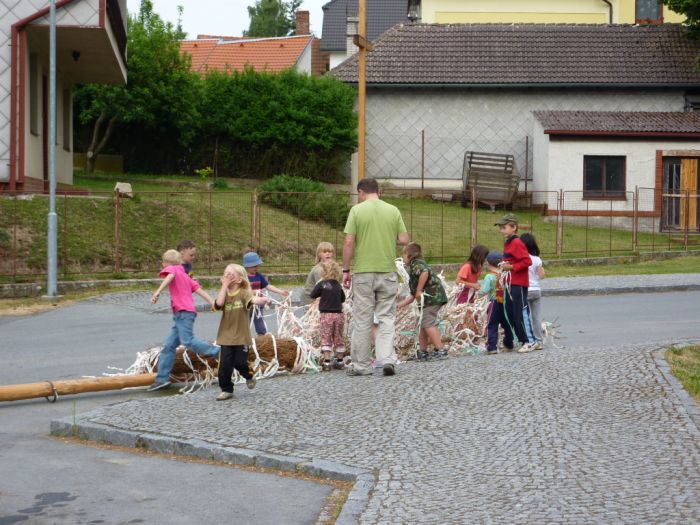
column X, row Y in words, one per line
column 475, row 220
column 687, row 219
column 254, row 220
column 635, row 220
column 560, row 222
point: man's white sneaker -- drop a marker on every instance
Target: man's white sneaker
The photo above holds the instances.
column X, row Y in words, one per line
column 223, row 396
column 526, row 348
column 538, row 346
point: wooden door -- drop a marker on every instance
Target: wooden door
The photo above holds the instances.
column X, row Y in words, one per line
column 689, row 186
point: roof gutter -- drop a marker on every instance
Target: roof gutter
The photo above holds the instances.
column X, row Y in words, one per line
column 610, row 11
column 528, row 85
column 639, row 134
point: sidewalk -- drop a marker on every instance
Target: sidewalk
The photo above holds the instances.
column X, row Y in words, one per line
column 575, row 435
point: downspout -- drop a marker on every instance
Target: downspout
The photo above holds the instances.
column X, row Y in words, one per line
column 610, row 10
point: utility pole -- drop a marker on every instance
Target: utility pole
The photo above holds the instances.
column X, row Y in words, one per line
column 360, row 40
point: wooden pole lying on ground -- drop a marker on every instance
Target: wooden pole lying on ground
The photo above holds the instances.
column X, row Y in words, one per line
column 53, row 389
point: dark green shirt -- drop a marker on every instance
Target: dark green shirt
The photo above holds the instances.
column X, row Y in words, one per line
column 433, row 292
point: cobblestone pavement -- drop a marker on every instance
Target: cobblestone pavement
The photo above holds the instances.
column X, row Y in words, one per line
column 578, row 435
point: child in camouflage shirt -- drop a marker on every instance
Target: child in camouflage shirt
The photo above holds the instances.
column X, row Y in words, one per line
column 428, row 291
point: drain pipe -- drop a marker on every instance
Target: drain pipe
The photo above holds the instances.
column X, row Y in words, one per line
column 610, row 9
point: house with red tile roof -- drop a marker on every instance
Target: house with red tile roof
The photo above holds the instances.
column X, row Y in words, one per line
column 300, row 52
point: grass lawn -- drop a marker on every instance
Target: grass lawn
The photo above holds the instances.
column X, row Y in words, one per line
column 685, row 365
column 167, row 209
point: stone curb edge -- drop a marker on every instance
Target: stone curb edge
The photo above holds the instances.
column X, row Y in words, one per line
column 356, row 502
column 691, row 409
column 620, row 290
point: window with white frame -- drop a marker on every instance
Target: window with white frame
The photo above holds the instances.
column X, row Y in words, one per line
column 604, row 177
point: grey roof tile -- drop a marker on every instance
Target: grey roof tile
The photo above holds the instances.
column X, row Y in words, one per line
column 618, row 122
column 517, row 54
column 381, row 15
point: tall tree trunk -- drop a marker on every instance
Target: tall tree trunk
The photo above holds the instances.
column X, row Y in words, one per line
column 97, row 144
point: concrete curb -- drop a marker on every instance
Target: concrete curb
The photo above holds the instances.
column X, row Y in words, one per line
column 356, row 502
column 662, row 366
column 619, row 290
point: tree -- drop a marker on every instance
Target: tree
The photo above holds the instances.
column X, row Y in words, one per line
column 272, row 18
column 260, row 124
column 689, row 8
column 161, row 91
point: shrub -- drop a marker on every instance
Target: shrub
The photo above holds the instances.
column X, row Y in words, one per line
column 306, row 198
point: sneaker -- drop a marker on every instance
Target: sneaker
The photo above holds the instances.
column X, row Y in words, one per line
column 223, row 396
column 326, row 366
column 491, row 352
column 352, row 372
column 250, row 383
column 339, row 364
column 158, row 386
column 538, row 346
column 422, row 355
column 388, row 370
column 440, row 354
column 526, row 348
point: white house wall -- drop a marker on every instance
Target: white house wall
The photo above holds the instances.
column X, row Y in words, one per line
column 79, row 13
column 565, row 167
column 303, row 65
column 33, row 145
column 457, row 120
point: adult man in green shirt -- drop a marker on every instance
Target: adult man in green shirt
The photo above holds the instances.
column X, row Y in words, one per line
column 372, row 231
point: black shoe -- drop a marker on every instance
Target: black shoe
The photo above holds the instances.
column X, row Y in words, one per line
column 158, row 386
column 422, row 355
column 440, row 354
column 388, row 370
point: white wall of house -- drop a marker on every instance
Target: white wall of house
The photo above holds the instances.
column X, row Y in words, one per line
column 456, row 120
column 33, row 145
column 336, row 58
column 303, row 65
column 564, row 167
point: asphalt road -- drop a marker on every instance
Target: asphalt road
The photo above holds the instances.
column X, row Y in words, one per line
column 44, row 480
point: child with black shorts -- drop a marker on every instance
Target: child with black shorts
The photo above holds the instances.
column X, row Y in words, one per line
column 235, row 299
column 428, row 291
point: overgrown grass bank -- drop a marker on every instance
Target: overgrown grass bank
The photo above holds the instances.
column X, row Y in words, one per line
column 685, row 365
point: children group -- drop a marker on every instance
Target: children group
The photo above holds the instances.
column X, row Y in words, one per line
column 511, row 282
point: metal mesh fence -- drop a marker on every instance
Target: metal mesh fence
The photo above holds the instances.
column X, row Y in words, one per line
column 101, row 235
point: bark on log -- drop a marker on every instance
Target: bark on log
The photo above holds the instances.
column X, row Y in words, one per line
column 73, row 386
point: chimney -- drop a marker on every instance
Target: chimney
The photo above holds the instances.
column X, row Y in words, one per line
column 302, row 23
column 353, row 29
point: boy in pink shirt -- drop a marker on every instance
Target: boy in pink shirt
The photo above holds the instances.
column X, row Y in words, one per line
column 181, row 287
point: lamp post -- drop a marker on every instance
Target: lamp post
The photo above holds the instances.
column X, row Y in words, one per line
column 52, row 242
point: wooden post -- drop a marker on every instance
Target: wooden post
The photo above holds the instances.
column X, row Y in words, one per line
column 361, row 42
column 117, row 232
column 54, row 389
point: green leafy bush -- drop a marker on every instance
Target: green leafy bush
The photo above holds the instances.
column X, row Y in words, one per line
column 305, row 198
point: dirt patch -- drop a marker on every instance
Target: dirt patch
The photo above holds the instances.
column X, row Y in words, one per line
column 30, row 308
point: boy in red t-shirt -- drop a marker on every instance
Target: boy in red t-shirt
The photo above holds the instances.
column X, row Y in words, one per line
column 516, row 261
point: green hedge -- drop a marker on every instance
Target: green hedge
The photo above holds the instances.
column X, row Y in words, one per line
column 306, row 198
